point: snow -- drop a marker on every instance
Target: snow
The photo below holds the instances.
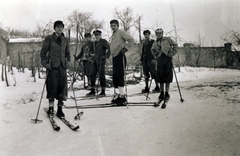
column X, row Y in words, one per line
column 207, row 123
column 14, row 40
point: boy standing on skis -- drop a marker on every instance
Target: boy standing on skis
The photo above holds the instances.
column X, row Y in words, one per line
column 164, row 48
column 120, row 43
column 85, row 55
column 101, row 53
column 55, row 56
column 148, row 62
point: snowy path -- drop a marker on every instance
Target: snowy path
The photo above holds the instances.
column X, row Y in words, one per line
column 207, row 123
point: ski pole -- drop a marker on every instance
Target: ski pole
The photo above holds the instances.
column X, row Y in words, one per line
column 79, row 114
column 98, row 74
column 124, row 74
column 181, row 99
column 37, row 120
column 75, row 73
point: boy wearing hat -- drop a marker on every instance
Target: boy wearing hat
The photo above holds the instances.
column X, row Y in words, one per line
column 55, row 56
column 101, row 53
column 148, row 62
column 85, row 54
column 121, row 42
column 164, row 48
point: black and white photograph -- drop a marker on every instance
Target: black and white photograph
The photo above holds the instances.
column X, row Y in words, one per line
column 120, row 78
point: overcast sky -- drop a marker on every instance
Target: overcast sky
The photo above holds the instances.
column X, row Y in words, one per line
column 209, row 17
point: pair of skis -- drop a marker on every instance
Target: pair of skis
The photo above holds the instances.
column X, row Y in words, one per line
column 163, row 103
column 106, row 105
column 56, row 126
column 80, row 98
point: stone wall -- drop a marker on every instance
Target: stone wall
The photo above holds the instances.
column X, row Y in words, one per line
column 187, row 55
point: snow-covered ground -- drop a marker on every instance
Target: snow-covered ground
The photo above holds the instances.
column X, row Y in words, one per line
column 207, row 123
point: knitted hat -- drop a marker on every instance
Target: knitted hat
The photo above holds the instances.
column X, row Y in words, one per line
column 114, row 22
column 58, row 23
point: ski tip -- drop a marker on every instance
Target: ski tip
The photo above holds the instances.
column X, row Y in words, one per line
column 155, row 104
column 76, row 128
column 57, row 128
column 163, row 106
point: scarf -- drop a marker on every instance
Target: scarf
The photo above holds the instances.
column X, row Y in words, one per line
column 58, row 38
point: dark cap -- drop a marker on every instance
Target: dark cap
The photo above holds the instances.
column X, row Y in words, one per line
column 114, row 21
column 87, row 35
column 159, row 30
column 146, row 31
column 97, row 32
column 58, row 23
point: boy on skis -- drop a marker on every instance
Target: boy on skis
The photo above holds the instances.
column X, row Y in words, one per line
column 148, row 62
column 164, row 48
column 101, row 53
column 86, row 56
column 120, row 43
column 55, row 56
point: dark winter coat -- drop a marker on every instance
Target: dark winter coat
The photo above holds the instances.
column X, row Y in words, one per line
column 146, row 50
column 100, row 48
column 86, row 51
column 56, row 49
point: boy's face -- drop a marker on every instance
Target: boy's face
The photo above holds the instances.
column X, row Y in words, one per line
column 97, row 36
column 88, row 38
column 114, row 27
column 147, row 35
column 159, row 33
column 59, row 29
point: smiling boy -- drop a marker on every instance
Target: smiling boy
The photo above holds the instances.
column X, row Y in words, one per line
column 55, row 56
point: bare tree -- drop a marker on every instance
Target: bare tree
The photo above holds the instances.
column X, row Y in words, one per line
column 83, row 22
column 231, row 37
column 200, row 40
column 45, row 29
column 126, row 17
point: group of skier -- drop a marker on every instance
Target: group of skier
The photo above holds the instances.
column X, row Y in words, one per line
column 156, row 60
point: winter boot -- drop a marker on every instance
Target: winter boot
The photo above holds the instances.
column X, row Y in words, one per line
column 156, row 90
column 91, row 93
column 145, row 90
column 121, row 101
column 60, row 113
column 161, row 96
column 102, row 94
column 50, row 111
column 167, row 96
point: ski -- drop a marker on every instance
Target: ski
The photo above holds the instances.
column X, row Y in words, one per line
column 68, row 123
column 164, row 104
column 105, row 105
column 160, row 101
column 88, row 97
column 52, row 121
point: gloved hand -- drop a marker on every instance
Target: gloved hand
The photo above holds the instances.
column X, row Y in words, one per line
column 123, row 50
column 154, row 61
column 107, row 55
column 48, row 66
column 170, row 54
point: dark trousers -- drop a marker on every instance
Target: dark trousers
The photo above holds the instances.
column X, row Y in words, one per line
column 98, row 68
column 56, row 84
column 149, row 68
column 119, row 65
column 164, row 69
column 87, row 67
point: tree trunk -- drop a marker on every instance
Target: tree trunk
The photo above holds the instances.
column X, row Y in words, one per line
column 2, row 72
column 5, row 69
